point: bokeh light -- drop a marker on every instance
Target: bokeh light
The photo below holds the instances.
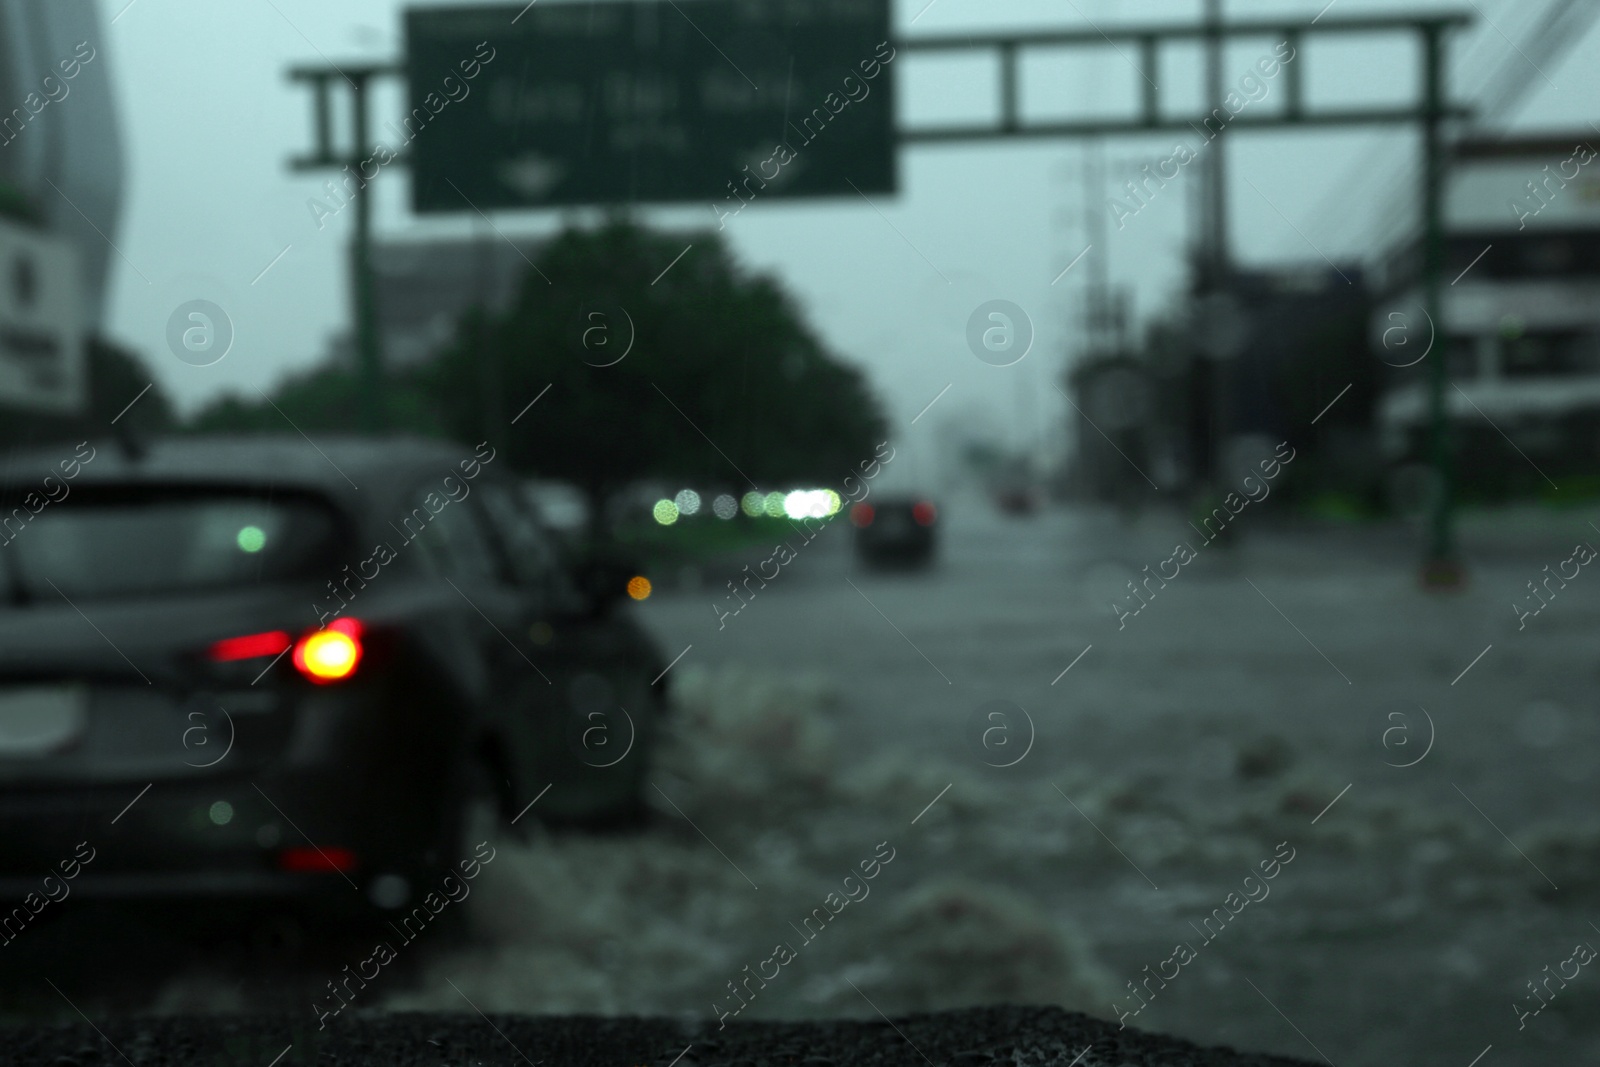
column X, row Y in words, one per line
column 808, row 504
column 725, row 507
column 639, row 587
column 665, row 512
column 688, row 502
column 754, row 504
column 252, row 539
column 774, row 505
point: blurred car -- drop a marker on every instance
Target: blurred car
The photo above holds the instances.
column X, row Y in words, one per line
column 561, row 507
column 1016, row 500
column 267, row 669
column 895, row 531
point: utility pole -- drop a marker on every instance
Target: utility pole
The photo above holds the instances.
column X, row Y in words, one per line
column 1442, row 567
column 1216, row 217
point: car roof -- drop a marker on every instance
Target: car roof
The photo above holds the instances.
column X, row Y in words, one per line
column 357, row 472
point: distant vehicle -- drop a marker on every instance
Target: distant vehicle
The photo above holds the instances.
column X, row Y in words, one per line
column 561, row 507
column 234, row 674
column 1016, row 500
column 894, row 531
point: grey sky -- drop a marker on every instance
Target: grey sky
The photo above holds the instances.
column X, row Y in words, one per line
column 210, row 119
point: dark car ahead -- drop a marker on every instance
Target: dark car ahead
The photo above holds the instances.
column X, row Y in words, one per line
column 895, row 531
column 276, row 669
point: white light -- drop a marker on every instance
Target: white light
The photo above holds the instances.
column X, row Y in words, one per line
column 808, row 504
column 688, row 502
column 725, row 507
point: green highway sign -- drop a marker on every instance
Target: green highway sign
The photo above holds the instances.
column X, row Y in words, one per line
column 724, row 102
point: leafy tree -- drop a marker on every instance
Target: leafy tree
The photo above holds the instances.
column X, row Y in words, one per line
column 325, row 399
column 724, row 381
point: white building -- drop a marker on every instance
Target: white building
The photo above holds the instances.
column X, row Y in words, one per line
column 1520, row 315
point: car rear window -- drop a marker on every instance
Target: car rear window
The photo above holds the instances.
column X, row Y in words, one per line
column 122, row 544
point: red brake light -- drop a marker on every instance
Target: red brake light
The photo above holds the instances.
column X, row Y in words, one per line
column 862, row 514
column 330, row 654
column 924, row 513
column 307, row 858
column 251, row 646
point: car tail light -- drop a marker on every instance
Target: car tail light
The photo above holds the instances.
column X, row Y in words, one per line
column 330, row 654
column 862, row 514
column 924, row 513
column 251, row 646
column 309, row 858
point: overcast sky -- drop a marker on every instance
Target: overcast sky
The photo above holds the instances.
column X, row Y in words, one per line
column 210, row 119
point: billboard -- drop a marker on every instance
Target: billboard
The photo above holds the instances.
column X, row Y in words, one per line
column 723, row 102
column 42, row 356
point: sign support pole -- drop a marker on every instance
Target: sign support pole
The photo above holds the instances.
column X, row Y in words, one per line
column 369, row 353
column 1441, row 567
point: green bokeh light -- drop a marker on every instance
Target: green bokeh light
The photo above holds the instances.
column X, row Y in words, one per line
column 252, row 539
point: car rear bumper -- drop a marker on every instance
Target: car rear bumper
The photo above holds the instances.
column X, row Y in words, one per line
column 216, row 839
